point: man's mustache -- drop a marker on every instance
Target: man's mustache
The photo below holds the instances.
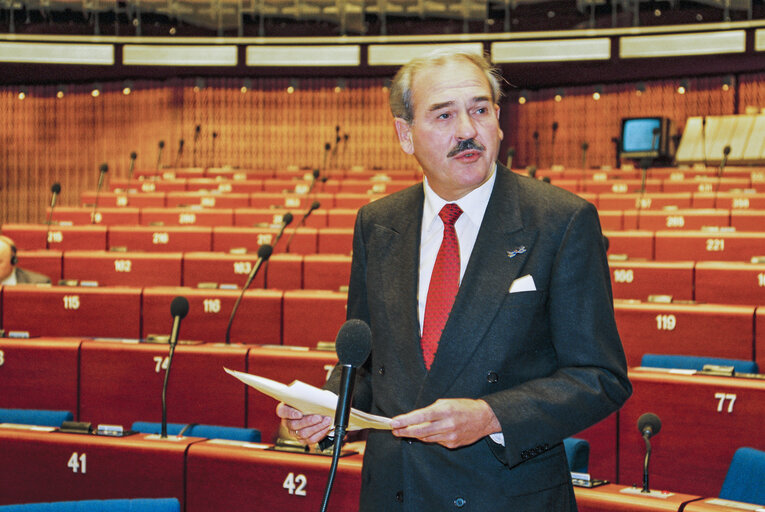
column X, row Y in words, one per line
column 465, row 145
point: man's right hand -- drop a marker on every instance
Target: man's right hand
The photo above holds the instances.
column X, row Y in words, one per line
column 306, row 429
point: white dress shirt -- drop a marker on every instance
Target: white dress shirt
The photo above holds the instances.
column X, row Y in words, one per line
column 10, row 280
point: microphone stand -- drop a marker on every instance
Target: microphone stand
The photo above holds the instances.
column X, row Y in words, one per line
column 103, row 170
column 315, row 205
column 179, row 309
column 55, row 189
column 179, row 154
column 264, row 252
column 286, row 220
column 133, row 156
column 646, row 487
column 159, row 154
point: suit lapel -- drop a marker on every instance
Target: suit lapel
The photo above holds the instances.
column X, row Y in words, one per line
column 489, row 274
column 401, row 270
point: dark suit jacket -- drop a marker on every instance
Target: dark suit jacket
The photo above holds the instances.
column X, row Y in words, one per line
column 28, row 276
column 549, row 362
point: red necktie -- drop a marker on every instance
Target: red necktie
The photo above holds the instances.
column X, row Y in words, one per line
column 444, row 284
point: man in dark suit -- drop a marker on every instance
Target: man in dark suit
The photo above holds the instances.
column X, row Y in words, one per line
column 527, row 352
column 10, row 273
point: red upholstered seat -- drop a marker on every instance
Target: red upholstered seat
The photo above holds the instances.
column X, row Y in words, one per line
column 639, row 279
column 675, row 219
column 46, row 262
column 124, row 269
column 633, row 244
column 326, row 271
column 730, row 282
column 227, row 238
column 311, row 316
column 708, row 245
column 187, row 216
column 161, row 238
column 284, row 271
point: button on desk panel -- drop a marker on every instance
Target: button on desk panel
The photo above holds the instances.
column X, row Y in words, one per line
column 712, row 330
column 124, row 268
column 121, row 383
column 704, row 420
column 39, row 373
column 258, row 319
column 284, row 365
column 52, row 466
column 109, row 312
column 244, row 477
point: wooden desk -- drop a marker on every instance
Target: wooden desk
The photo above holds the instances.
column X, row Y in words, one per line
column 613, row 498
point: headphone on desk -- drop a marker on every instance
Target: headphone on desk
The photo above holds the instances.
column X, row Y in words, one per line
column 14, row 251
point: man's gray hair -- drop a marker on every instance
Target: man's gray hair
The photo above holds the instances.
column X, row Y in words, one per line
column 401, row 88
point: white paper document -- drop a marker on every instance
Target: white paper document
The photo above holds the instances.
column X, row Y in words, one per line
column 310, row 400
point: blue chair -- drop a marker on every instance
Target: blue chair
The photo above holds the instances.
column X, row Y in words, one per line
column 578, row 454
column 696, row 362
column 250, row 435
column 35, row 417
column 745, row 480
column 120, row 505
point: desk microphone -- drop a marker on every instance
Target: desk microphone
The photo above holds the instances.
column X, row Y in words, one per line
column 55, row 191
column 133, row 156
column 179, row 308
column 102, row 172
column 314, row 206
column 286, row 219
column 353, row 345
column 161, row 146
column 726, row 152
column 314, row 179
column 649, row 425
column 264, row 252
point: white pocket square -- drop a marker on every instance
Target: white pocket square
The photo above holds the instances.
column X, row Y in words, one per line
column 523, row 284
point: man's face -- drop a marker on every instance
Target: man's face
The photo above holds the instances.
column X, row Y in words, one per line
column 5, row 261
column 455, row 133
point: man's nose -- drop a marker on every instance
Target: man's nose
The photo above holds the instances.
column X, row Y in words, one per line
column 465, row 126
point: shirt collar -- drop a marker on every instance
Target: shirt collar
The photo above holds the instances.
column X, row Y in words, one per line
column 11, row 279
column 473, row 204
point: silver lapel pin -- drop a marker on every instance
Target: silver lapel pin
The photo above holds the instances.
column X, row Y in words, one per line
column 519, row 250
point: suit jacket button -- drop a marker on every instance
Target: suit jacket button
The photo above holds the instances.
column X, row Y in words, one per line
column 381, row 371
column 492, row 377
column 400, row 496
column 459, row 502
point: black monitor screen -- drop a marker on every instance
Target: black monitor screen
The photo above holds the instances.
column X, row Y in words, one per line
column 641, row 135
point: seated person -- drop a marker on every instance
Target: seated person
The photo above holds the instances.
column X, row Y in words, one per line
column 10, row 273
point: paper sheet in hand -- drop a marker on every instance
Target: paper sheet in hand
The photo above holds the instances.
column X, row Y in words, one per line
column 310, row 400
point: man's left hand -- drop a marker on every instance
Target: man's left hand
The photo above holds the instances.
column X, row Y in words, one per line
column 452, row 422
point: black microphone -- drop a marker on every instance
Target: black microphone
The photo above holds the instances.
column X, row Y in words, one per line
column 133, row 156
column 327, row 147
column 353, row 345
column 55, row 190
column 286, row 219
column 264, row 252
column 314, row 206
column 585, row 147
column 159, row 154
column 103, row 169
column 648, row 425
column 179, row 308
column 197, row 130
column 726, row 152
column 314, row 179
column 180, row 152
column 552, row 143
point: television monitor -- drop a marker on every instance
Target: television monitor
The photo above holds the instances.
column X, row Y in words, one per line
column 645, row 137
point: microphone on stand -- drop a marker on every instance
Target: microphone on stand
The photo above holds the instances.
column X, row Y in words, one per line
column 314, row 179
column 510, row 155
column 345, row 148
column 353, row 345
column 327, row 147
column 133, row 156
column 179, row 154
column 103, row 169
column 159, row 154
column 286, row 219
column 179, row 308
column 535, row 135
column 552, row 140
column 315, row 205
column 55, row 190
column 214, row 136
column 197, row 130
column 264, row 252
column 726, row 152
column 649, row 425
column 585, row 147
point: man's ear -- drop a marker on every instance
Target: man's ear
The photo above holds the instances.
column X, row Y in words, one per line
column 501, row 134
column 404, row 132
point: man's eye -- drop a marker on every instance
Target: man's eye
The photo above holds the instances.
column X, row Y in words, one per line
column 481, row 110
column 445, row 115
